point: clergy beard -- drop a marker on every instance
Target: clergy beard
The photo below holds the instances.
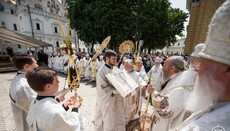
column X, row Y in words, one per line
column 111, row 64
column 157, row 65
column 166, row 76
column 193, row 65
column 206, row 91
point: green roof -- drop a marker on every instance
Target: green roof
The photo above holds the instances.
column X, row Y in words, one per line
column 181, row 39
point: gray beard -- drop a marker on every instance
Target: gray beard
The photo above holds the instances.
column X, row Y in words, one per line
column 206, row 92
column 110, row 64
column 165, row 77
column 191, row 66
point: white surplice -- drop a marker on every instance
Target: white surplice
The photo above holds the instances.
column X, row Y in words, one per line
column 49, row 115
column 22, row 94
column 155, row 76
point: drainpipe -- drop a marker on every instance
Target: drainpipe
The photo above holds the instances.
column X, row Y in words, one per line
column 32, row 30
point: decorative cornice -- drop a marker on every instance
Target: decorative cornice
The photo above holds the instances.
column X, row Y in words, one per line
column 35, row 11
column 48, row 35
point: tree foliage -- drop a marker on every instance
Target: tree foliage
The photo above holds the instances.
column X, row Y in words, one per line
column 153, row 21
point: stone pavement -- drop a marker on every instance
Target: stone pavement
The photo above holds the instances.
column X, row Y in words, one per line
column 86, row 91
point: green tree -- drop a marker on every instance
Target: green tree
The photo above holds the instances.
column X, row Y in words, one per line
column 160, row 23
column 115, row 20
column 153, row 21
column 82, row 20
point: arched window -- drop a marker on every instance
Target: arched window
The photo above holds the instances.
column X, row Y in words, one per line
column 15, row 27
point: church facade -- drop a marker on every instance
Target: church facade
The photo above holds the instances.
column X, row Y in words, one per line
column 35, row 19
column 201, row 12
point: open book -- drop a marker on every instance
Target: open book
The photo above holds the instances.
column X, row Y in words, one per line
column 122, row 81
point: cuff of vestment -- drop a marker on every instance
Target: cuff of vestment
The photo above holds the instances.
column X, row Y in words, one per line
column 75, row 110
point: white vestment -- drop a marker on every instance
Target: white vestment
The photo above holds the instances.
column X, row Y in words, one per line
column 50, row 62
column 65, row 60
column 133, row 103
column 122, row 67
column 188, row 79
column 211, row 118
column 22, row 94
column 80, row 66
column 143, row 75
column 177, row 96
column 93, row 68
column 155, row 77
column 60, row 64
column 87, row 70
column 110, row 108
column 56, row 61
column 49, row 115
column 100, row 63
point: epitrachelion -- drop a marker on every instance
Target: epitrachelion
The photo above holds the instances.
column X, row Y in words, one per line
column 122, row 81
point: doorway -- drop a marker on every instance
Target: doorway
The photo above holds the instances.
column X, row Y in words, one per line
column 10, row 51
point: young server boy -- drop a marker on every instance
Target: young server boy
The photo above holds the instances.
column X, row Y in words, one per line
column 45, row 112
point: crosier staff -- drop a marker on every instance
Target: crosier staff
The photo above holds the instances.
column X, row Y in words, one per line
column 101, row 48
column 73, row 76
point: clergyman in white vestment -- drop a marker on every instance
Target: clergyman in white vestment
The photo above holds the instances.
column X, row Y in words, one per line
column 210, row 99
column 110, row 108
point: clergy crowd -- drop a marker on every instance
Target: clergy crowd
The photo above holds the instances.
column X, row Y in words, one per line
column 186, row 94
